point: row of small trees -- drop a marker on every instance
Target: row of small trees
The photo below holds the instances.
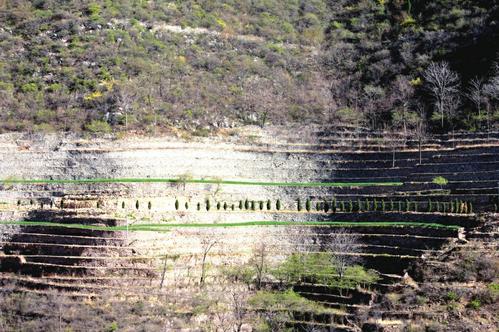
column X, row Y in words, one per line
column 243, row 205
column 367, row 205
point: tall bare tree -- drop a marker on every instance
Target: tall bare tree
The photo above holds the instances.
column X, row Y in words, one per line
column 343, row 246
column 476, row 95
column 491, row 91
column 420, row 130
column 208, row 240
column 259, row 261
column 443, row 84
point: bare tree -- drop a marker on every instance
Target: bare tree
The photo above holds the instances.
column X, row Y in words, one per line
column 343, row 246
column 371, row 103
column 125, row 97
column 395, row 141
column 476, row 95
column 420, row 130
column 208, row 241
column 491, row 91
column 443, row 84
column 403, row 92
column 259, row 261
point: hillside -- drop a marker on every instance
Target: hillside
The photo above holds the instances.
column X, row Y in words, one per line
column 114, row 66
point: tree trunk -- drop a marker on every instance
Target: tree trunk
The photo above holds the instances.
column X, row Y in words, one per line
column 420, row 154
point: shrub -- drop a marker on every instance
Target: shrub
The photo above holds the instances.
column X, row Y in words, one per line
column 198, row 206
column 359, row 205
column 298, row 204
column 375, row 205
column 98, row 204
column 440, row 180
column 219, row 205
column 383, row 206
column 342, row 204
column 253, row 205
column 176, row 204
column 333, row 205
column 350, row 206
column 392, row 205
column 400, row 206
column 208, row 205
column 326, row 206
column 470, row 207
column 269, row 204
column 240, row 205
column 368, row 205
column 137, row 204
column 233, row 207
column 451, row 296
column 278, row 205
column 407, row 206
column 98, row 127
column 186, row 205
column 260, row 205
column 149, row 205
column 474, row 304
column 246, row 204
column 225, row 206
column 307, row 204
column 122, row 205
column 317, row 206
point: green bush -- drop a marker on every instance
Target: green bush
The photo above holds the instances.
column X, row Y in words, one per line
column 429, row 206
column 219, row 205
column 326, row 206
column 208, row 205
column 342, row 204
column 260, row 205
column 317, row 206
column 407, row 206
column 368, row 205
column 122, row 205
column 375, row 205
column 177, row 205
column 383, row 206
column 298, row 204
column 350, row 206
column 98, row 127
column 149, row 205
column 392, row 205
column 278, row 205
column 451, row 296
column 225, row 206
column 253, row 205
column 240, row 205
column 269, row 205
column 137, row 204
column 440, row 180
column 359, row 205
column 308, row 204
column 198, row 206
column 474, row 304
column 246, row 204
column 233, row 207
column 186, row 205
column 333, row 205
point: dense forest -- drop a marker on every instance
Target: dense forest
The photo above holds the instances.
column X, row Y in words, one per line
column 116, row 66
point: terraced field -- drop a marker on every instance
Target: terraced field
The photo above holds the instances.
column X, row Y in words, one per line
column 84, row 217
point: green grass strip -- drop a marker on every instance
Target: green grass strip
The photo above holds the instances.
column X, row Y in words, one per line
column 204, row 181
column 167, row 226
